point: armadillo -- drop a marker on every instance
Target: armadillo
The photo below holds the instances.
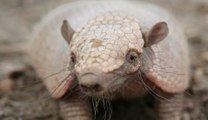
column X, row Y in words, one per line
column 111, row 50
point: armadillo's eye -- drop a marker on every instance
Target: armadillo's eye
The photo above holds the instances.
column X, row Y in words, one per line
column 132, row 56
column 73, row 58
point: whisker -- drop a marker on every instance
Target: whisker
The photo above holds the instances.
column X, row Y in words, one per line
column 175, row 73
column 95, row 104
column 145, row 88
column 187, row 93
column 147, row 61
column 60, row 85
column 51, row 75
column 154, row 93
column 150, row 90
column 74, row 88
column 107, row 108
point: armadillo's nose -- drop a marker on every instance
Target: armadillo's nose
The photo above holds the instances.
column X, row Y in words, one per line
column 89, row 82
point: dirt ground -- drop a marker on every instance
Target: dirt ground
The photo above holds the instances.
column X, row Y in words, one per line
column 25, row 98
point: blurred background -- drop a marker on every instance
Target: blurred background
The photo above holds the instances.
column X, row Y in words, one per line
column 23, row 97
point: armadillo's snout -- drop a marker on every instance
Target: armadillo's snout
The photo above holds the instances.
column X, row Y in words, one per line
column 90, row 83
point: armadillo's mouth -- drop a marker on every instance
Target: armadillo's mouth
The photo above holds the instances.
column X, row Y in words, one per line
column 107, row 90
column 101, row 94
column 95, row 91
column 95, row 82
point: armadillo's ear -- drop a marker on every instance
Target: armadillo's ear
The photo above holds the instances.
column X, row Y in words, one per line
column 67, row 31
column 156, row 34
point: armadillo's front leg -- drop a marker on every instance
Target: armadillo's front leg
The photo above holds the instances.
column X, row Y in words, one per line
column 75, row 109
column 169, row 107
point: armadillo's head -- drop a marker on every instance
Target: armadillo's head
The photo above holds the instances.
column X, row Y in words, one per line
column 105, row 53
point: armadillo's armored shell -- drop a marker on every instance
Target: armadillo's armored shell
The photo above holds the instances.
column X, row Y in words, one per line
column 50, row 56
column 170, row 65
column 50, row 51
column 167, row 63
column 51, row 63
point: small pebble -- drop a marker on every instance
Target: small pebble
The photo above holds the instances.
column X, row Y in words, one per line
column 197, row 73
column 6, row 85
column 186, row 116
column 204, row 56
